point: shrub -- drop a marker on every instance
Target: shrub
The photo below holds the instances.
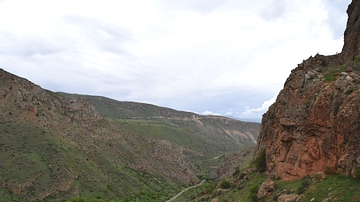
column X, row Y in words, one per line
column 225, row 184
column 304, row 185
column 260, row 161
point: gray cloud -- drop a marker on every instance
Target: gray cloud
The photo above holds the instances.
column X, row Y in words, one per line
column 106, row 36
column 26, row 46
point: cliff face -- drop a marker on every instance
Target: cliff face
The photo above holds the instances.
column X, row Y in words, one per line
column 351, row 36
column 314, row 125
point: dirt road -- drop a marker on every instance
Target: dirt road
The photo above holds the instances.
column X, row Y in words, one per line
column 177, row 195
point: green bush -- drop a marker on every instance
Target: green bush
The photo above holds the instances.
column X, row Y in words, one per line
column 225, row 184
column 260, row 161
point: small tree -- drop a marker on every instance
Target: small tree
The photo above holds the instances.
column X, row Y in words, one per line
column 260, row 161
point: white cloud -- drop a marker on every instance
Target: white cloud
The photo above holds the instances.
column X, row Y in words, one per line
column 209, row 113
column 260, row 110
column 188, row 54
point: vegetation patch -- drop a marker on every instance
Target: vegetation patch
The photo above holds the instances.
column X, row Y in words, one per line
column 253, row 193
column 260, row 161
column 225, row 184
column 333, row 73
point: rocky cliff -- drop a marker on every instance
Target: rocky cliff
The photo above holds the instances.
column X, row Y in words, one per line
column 314, row 125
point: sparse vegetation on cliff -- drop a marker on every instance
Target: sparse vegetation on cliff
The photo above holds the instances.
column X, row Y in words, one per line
column 260, row 161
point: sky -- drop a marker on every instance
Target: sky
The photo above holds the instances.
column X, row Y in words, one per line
column 211, row 57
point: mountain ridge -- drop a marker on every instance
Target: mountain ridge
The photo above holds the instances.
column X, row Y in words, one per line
column 56, row 146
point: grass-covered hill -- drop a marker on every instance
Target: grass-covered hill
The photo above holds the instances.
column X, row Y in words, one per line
column 56, row 146
column 209, row 136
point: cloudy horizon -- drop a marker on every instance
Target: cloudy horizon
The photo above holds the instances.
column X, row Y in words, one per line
column 228, row 58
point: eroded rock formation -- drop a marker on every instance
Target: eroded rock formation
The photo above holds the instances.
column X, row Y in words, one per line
column 314, row 125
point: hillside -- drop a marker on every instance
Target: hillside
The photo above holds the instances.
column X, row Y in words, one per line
column 209, row 136
column 219, row 134
column 56, row 146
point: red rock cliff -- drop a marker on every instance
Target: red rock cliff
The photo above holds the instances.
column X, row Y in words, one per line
column 314, row 125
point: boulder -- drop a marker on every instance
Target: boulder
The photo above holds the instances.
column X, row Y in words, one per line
column 265, row 188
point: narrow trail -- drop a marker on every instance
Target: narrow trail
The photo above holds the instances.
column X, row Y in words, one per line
column 184, row 190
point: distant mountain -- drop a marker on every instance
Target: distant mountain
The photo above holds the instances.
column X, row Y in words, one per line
column 211, row 136
column 55, row 146
column 230, row 130
column 255, row 120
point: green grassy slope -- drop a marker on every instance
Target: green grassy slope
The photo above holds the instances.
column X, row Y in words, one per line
column 47, row 167
column 211, row 136
column 56, row 146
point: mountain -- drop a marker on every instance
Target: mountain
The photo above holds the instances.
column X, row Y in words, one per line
column 314, row 124
column 214, row 135
column 55, row 146
column 220, row 129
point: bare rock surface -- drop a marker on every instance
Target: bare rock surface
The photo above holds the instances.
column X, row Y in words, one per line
column 266, row 188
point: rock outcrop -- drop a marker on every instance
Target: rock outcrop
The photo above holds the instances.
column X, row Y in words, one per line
column 314, row 125
column 351, row 36
column 265, row 188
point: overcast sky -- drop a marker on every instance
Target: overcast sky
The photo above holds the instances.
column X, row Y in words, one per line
column 226, row 57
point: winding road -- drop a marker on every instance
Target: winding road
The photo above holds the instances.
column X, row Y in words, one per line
column 177, row 195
